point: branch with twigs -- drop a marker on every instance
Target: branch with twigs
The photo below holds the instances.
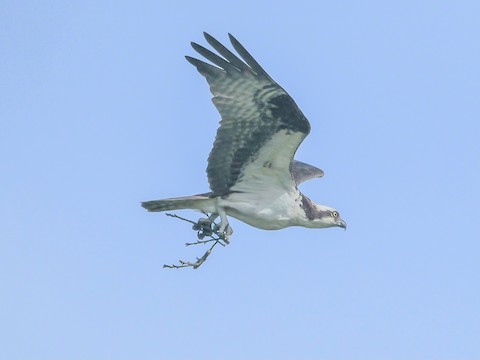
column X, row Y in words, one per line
column 205, row 229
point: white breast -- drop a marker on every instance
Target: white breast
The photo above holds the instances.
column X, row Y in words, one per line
column 264, row 211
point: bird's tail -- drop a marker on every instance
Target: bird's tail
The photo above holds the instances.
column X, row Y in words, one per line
column 197, row 202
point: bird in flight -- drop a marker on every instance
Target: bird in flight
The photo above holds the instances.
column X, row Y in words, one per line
column 251, row 170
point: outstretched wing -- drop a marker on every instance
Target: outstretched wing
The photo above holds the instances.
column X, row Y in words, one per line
column 302, row 172
column 261, row 126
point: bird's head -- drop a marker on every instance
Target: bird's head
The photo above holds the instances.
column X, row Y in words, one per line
column 329, row 217
column 321, row 216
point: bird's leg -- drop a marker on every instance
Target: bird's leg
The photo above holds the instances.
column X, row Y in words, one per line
column 207, row 227
column 204, row 226
column 224, row 231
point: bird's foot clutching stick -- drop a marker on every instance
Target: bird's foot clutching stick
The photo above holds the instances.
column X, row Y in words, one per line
column 206, row 228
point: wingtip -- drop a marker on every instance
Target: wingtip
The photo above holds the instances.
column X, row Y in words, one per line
column 207, row 35
column 232, row 38
column 193, row 44
column 196, row 46
column 191, row 60
column 211, row 40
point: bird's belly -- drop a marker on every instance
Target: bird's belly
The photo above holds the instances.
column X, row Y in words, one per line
column 261, row 212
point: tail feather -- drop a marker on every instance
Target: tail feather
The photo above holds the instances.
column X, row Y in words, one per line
column 196, row 202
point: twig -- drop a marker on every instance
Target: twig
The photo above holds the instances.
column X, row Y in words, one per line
column 196, row 264
column 204, row 228
column 205, row 241
column 181, row 218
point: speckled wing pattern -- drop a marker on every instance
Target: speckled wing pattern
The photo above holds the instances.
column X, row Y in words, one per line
column 254, row 110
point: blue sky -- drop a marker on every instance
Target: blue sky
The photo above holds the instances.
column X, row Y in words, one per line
column 100, row 111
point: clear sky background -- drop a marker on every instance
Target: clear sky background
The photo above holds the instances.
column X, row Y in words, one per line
column 100, row 111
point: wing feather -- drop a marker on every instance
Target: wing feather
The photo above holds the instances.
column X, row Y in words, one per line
column 214, row 58
column 258, row 119
column 248, row 58
column 227, row 54
column 302, row 172
column 207, row 70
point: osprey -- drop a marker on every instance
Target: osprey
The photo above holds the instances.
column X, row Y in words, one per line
column 251, row 171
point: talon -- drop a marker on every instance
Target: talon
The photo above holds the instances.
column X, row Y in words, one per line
column 229, row 231
column 207, row 232
column 204, row 222
column 225, row 235
column 205, row 227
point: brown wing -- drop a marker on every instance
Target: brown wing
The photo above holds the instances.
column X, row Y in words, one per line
column 255, row 111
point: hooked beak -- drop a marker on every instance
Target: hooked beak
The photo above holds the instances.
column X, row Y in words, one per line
column 342, row 224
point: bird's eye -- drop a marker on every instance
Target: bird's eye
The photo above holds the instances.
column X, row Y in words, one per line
column 335, row 214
